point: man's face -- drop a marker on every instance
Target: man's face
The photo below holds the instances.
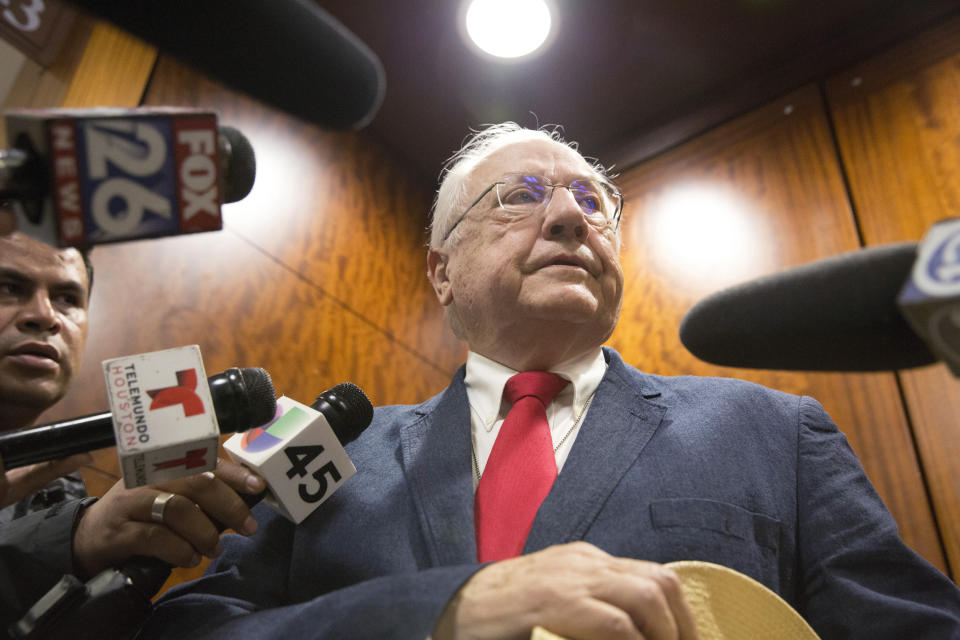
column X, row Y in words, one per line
column 552, row 270
column 43, row 321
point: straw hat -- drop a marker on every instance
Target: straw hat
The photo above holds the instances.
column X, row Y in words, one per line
column 727, row 605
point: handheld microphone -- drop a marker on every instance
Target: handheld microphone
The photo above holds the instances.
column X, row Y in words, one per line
column 290, row 54
column 836, row 314
column 300, row 452
column 85, row 177
column 115, row 602
column 242, row 398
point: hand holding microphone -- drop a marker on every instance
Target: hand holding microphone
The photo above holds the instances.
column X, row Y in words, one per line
column 176, row 521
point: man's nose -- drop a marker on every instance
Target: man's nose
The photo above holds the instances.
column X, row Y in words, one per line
column 563, row 216
column 38, row 315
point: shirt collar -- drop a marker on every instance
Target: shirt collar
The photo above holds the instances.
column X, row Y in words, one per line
column 485, row 380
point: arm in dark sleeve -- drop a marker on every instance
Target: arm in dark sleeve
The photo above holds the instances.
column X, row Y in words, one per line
column 35, row 552
column 245, row 594
column 858, row 578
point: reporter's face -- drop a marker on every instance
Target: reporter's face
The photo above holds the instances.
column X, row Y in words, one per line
column 43, row 320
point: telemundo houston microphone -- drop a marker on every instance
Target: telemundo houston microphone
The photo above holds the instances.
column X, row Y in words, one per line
column 80, row 177
column 163, row 422
column 115, row 602
column 888, row 307
column 290, row 54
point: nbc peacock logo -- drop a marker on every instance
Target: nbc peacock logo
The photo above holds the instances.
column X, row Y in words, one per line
column 284, row 425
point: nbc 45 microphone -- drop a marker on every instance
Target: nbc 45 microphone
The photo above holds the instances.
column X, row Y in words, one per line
column 300, row 452
column 85, row 177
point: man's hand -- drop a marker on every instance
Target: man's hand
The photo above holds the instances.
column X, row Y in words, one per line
column 574, row 590
column 119, row 525
column 21, row 482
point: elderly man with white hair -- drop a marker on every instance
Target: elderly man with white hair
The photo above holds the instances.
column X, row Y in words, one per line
column 550, row 482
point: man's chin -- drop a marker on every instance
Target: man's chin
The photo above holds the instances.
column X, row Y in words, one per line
column 38, row 394
column 569, row 304
column 579, row 313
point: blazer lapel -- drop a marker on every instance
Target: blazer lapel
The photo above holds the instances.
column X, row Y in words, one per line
column 618, row 425
column 436, row 452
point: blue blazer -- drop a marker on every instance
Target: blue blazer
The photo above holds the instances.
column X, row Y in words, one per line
column 663, row 469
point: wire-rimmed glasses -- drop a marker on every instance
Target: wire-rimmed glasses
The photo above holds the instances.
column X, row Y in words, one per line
column 524, row 194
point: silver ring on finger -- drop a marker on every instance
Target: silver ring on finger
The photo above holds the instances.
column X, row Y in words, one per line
column 158, row 505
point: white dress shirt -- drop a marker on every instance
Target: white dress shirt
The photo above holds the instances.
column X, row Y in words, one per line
column 485, row 380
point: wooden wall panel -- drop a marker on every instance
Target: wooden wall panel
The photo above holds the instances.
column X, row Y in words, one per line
column 763, row 192
column 898, row 128
column 337, row 208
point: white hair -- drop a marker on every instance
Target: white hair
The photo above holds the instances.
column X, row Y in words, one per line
column 452, row 197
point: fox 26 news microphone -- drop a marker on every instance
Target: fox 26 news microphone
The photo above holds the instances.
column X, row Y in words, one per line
column 164, row 424
column 836, row 314
column 114, row 603
column 84, row 177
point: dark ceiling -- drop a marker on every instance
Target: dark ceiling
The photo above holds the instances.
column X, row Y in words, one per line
column 626, row 78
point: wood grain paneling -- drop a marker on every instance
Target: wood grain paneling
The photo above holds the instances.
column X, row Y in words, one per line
column 337, row 208
column 898, row 128
column 761, row 193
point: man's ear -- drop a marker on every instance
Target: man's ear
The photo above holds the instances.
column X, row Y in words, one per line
column 439, row 278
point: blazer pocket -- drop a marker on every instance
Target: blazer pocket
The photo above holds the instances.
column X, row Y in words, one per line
column 720, row 517
column 723, row 533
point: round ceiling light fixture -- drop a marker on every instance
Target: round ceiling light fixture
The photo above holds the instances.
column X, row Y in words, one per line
column 508, row 29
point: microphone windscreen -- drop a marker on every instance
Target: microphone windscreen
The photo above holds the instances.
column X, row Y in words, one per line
column 836, row 314
column 350, row 410
column 290, row 54
column 261, row 395
column 240, row 167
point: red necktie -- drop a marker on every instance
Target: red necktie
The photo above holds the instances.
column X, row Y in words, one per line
column 521, row 468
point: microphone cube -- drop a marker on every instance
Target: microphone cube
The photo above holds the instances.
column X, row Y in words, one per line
column 930, row 300
column 163, row 415
column 299, row 456
column 110, row 174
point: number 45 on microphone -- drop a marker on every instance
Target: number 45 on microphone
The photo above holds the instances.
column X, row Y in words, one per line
column 299, row 456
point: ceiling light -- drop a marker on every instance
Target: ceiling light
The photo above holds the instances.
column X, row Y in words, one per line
column 508, row 28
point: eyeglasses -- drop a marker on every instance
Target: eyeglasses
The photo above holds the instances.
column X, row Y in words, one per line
column 523, row 194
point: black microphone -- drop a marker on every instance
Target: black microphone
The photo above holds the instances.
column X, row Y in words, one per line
column 242, row 398
column 836, row 314
column 290, row 54
column 115, row 602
